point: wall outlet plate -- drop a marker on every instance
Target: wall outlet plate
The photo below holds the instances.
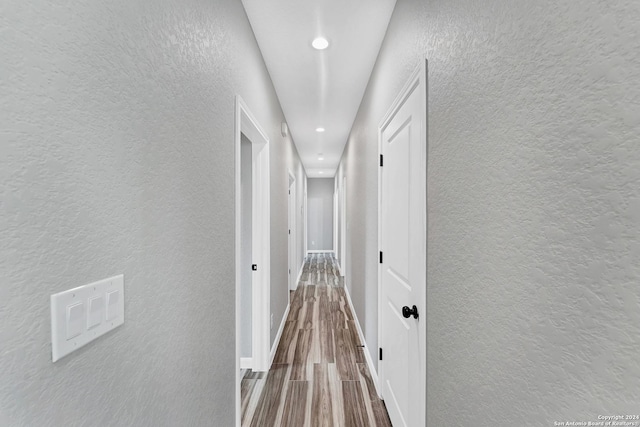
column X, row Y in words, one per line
column 82, row 314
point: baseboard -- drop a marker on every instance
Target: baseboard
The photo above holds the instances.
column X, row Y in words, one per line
column 340, row 269
column 299, row 276
column 274, row 347
column 367, row 355
column 246, row 362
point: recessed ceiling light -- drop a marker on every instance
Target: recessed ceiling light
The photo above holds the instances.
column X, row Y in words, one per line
column 319, row 129
column 320, row 43
column 320, row 172
column 320, row 158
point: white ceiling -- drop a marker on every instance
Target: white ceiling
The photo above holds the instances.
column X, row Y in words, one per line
column 319, row 88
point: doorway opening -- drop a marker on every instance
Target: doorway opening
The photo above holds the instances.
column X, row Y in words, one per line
column 252, row 240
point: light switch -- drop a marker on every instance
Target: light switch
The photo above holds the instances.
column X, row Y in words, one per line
column 75, row 320
column 78, row 315
column 95, row 311
column 112, row 304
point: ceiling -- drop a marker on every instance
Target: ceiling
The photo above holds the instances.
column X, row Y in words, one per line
column 319, row 88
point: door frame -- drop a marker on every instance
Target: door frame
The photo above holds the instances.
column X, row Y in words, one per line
column 343, row 227
column 336, row 206
column 418, row 77
column 304, row 218
column 293, row 237
column 245, row 123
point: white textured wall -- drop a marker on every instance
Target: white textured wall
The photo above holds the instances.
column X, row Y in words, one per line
column 116, row 156
column 534, row 205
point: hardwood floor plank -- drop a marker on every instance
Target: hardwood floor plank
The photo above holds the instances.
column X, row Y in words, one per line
column 327, row 342
column 286, row 348
column 321, row 290
column 253, row 398
column 310, row 293
column 365, row 377
column 358, row 349
column 353, row 329
column 355, row 414
column 338, row 316
column 303, row 345
column 375, row 406
column 285, row 390
column 315, row 350
column 246, row 387
column 345, row 358
column 310, row 313
column 267, row 409
column 296, row 304
column 344, row 305
column 337, row 401
column 380, row 414
column 321, row 403
column 324, row 307
column 366, row 394
column 332, row 295
column 295, row 404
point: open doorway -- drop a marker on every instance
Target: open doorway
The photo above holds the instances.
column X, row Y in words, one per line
column 246, row 253
column 252, row 241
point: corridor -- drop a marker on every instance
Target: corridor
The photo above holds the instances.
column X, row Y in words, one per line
column 319, row 376
column 472, row 167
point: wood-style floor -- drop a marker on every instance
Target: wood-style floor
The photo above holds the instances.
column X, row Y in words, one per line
column 319, row 376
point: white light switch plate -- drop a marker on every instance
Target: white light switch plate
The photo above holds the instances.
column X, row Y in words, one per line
column 100, row 301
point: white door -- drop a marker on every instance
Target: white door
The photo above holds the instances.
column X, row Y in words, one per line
column 403, row 267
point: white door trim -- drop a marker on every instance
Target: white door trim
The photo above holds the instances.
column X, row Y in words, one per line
column 304, row 217
column 245, row 363
column 335, row 214
column 343, row 224
column 292, row 239
column 245, row 123
column 417, row 78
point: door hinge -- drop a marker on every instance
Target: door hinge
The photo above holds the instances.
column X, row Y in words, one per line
column 380, row 353
column 289, row 231
column 380, row 257
column 381, row 161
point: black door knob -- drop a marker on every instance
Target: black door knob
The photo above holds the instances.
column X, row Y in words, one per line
column 408, row 312
column 254, row 267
